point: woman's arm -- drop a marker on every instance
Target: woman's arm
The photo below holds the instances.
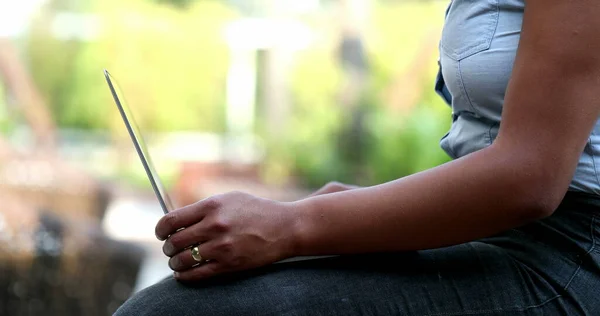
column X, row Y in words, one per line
column 334, row 187
column 551, row 106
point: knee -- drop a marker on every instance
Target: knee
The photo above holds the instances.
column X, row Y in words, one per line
column 153, row 301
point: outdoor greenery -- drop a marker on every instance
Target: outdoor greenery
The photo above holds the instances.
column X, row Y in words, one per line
column 171, row 62
column 397, row 142
column 171, row 59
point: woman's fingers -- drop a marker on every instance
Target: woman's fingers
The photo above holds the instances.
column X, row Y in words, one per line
column 210, row 227
column 184, row 217
column 183, row 261
column 203, row 271
column 233, row 231
column 219, row 250
column 185, row 238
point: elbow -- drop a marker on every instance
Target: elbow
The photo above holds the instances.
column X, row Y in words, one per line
column 540, row 206
column 540, row 198
column 535, row 182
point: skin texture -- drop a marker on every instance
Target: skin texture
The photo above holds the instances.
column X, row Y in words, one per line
column 334, row 187
column 551, row 105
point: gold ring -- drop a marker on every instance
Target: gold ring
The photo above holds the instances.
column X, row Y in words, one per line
column 196, row 254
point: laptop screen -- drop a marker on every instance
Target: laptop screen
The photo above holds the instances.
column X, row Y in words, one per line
column 138, row 143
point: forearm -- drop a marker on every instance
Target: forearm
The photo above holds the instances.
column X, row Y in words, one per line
column 473, row 197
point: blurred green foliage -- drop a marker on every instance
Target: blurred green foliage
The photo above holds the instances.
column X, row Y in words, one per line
column 170, row 59
column 171, row 63
column 398, row 143
column 178, row 3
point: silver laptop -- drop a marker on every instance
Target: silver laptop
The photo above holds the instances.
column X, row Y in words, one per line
column 139, row 144
column 140, row 147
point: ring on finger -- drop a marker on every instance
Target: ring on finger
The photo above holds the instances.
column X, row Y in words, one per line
column 196, row 255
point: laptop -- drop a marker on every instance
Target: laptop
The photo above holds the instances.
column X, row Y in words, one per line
column 142, row 151
column 139, row 144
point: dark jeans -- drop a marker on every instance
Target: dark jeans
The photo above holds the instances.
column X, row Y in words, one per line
column 549, row 267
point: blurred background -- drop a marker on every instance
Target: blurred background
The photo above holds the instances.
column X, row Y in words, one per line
column 272, row 97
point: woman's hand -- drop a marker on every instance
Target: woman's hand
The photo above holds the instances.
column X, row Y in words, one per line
column 233, row 231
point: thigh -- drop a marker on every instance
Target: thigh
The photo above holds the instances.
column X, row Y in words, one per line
column 469, row 279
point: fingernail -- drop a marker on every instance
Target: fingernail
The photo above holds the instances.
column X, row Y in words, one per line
column 176, row 263
column 169, row 249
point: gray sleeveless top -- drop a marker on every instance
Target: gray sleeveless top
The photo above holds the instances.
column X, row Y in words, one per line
column 477, row 52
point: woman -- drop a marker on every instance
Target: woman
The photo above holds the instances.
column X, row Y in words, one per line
column 510, row 227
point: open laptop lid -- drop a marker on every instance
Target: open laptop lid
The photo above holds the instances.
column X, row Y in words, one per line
column 138, row 143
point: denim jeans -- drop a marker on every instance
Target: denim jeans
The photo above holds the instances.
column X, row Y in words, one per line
column 548, row 267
